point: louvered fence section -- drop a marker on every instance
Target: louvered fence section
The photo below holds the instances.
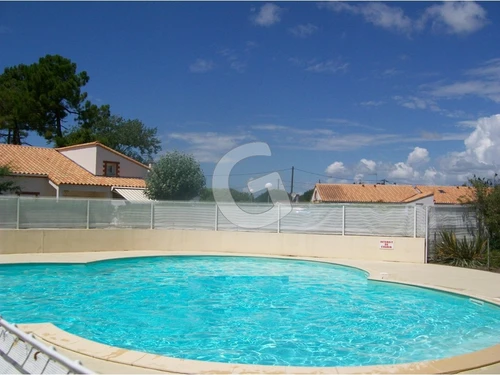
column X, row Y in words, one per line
column 306, row 218
column 245, row 217
column 8, row 213
column 380, row 220
column 47, row 213
column 338, row 219
column 184, row 215
column 460, row 220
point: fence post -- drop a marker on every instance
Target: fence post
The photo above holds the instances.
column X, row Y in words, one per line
column 415, row 221
column 343, row 220
column 152, row 221
column 488, row 252
column 279, row 217
column 426, row 246
column 216, row 217
column 17, row 211
column 88, row 213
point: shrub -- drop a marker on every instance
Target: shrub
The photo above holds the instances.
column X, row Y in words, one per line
column 175, row 176
column 461, row 253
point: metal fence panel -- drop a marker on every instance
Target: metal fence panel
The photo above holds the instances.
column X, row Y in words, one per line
column 379, row 220
column 52, row 213
column 369, row 219
column 460, row 220
column 421, row 221
column 184, row 215
column 313, row 218
column 8, row 212
column 244, row 218
column 108, row 214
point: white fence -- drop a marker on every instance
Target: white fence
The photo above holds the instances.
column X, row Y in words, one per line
column 458, row 219
column 377, row 219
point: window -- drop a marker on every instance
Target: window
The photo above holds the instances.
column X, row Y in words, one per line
column 30, row 193
column 111, row 168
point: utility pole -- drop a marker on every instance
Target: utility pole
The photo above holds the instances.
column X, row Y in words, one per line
column 291, row 188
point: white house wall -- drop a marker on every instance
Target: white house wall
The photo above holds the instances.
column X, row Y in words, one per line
column 427, row 201
column 85, row 157
column 85, row 191
column 34, row 185
column 127, row 167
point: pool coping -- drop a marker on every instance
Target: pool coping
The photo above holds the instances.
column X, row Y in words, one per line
column 141, row 360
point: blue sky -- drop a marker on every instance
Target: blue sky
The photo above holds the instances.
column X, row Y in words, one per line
column 351, row 91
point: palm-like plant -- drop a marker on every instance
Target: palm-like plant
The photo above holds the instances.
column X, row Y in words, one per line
column 461, row 253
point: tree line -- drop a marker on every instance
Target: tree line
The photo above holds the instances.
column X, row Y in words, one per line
column 47, row 98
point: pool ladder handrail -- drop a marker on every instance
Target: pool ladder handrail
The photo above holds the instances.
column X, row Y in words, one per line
column 51, row 352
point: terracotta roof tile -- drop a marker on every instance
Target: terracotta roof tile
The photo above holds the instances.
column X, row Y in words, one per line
column 28, row 160
column 449, row 194
column 370, row 193
column 365, row 193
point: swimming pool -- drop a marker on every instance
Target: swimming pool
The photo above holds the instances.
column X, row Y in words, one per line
column 248, row 310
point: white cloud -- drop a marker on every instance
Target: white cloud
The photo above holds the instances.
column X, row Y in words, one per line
column 419, row 102
column 453, row 17
column 372, row 103
column 303, row 31
column 358, row 177
column 369, row 165
column 481, row 156
column 418, row 156
column 329, row 66
column 336, row 168
column 456, row 17
column 238, row 66
column 378, row 14
column 414, row 102
column 210, row 146
column 482, row 149
column 484, row 82
column 201, row 66
column 316, row 66
column 270, row 127
column 237, row 60
column 403, row 171
column 268, row 15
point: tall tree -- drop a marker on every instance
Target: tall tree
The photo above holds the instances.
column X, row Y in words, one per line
column 306, row 197
column 176, row 176
column 486, row 203
column 57, row 87
column 207, row 195
column 130, row 137
column 5, row 184
column 17, row 105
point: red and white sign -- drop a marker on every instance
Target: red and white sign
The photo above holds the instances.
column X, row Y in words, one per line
column 386, row 244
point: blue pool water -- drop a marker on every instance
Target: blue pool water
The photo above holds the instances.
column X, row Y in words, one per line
column 248, row 310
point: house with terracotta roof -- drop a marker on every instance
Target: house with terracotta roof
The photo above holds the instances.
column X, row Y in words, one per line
column 403, row 194
column 90, row 170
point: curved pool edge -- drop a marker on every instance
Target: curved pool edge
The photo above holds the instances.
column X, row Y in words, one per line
column 141, row 360
column 375, row 270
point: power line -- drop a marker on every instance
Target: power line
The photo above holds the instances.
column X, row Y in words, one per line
column 247, row 174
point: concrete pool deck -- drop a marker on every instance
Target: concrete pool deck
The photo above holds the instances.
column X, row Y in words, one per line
column 105, row 359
